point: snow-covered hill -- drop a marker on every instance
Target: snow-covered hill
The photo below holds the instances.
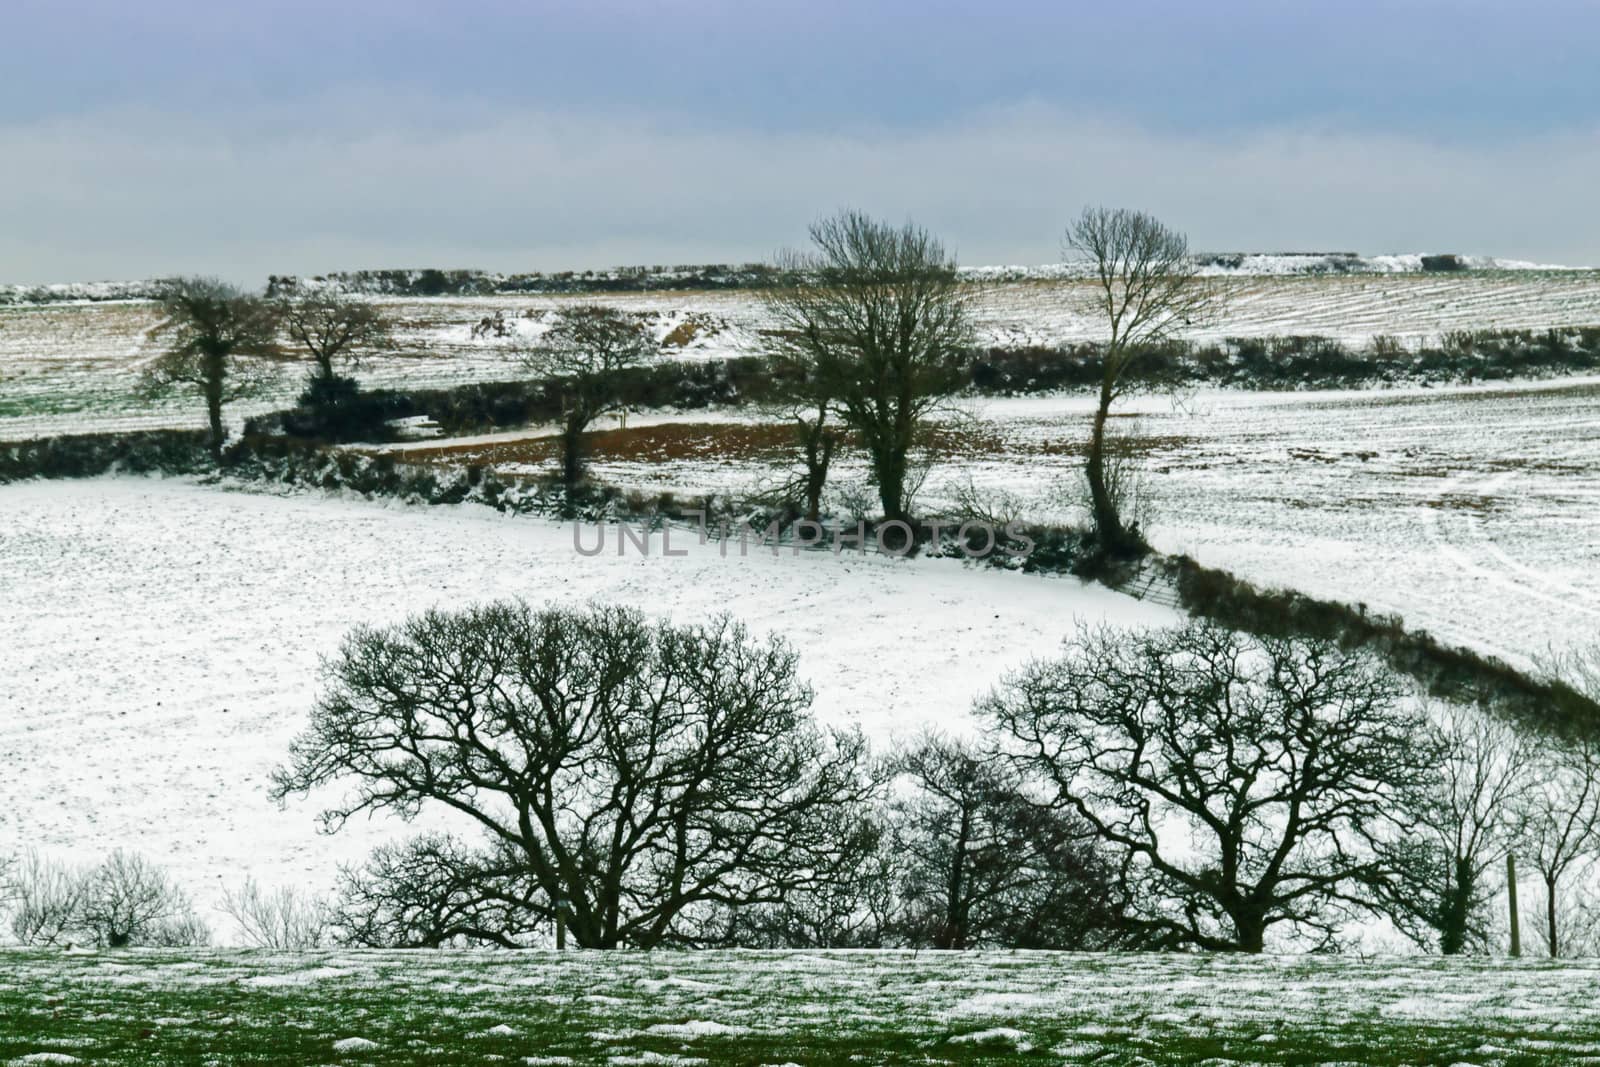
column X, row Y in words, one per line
column 161, row 644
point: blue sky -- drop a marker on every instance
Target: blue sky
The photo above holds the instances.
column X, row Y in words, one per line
column 247, row 138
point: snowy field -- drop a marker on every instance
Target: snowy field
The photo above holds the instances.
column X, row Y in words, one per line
column 161, row 644
column 790, row 1007
column 1470, row 511
column 71, row 367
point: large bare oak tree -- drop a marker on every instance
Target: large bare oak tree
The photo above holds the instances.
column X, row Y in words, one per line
column 1245, row 783
column 641, row 777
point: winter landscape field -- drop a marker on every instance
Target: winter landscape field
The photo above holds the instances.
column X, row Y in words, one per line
column 799, row 534
column 167, row 637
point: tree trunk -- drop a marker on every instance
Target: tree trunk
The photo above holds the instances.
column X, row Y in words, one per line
column 1511, row 903
column 1550, row 915
column 889, row 466
column 572, row 453
column 819, row 453
column 954, row 934
column 213, row 389
column 1114, row 538
column 1455, row 906
column 1251, row 931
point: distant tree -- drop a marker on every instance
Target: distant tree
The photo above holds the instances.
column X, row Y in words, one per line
column 217, row 338
column 642, row 775
column 285, row 919
column 856, row 906
column 126, row 900
column 1560, row 822
column 333, row 329
column 879, row 319
column 1461, row 824
column 1241, row 783
column 1147, row 288
column 131, row 901
column 984, row 864
column 585, row 353
column 47, row 898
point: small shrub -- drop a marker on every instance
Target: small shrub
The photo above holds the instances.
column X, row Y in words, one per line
column 126, row 900
column 283, row 919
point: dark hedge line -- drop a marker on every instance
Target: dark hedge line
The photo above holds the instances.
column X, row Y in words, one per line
column 481, row 406
column 1445, row 671
column 1301, row 362
column 1248, row 363
column 432, row 282
column 88, row 455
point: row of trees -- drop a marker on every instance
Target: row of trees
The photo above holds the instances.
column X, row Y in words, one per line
column 649, row 784
column 124, row 900
column 871, row 340
column 223, row 342
column 646, row 784
column 875, row 333
column 878, row 333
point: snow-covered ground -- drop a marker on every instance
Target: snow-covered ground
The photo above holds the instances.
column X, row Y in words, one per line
column 161, row 640
column 72, row 367
column 708, row 1007
column 1469, row 511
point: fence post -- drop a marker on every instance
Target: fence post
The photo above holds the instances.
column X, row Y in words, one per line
column 1511, row 896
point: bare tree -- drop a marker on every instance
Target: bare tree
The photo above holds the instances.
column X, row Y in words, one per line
column 640, row 774
column 218, row 339
column 984, row 864
column 283, row 918
column 856, row 906
column 1561, row 813
column 333, row 328
column 1147, row 289
column 131, row 901
column 816, row 439
column 1461, row 826
column 1576, row 930
column 126, row 900
column 585, row 352
column 1242, row 782
column 1560, row 827
column 48, row 898
column 881, row 322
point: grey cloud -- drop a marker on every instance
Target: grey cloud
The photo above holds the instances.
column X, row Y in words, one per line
column 136, row 194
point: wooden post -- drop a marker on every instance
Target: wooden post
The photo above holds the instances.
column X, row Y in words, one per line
column 1511, row 896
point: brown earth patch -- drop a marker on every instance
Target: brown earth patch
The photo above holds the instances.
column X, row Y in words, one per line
column 690, row 442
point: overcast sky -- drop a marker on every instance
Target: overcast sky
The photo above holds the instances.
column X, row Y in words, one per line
column 279, row 136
